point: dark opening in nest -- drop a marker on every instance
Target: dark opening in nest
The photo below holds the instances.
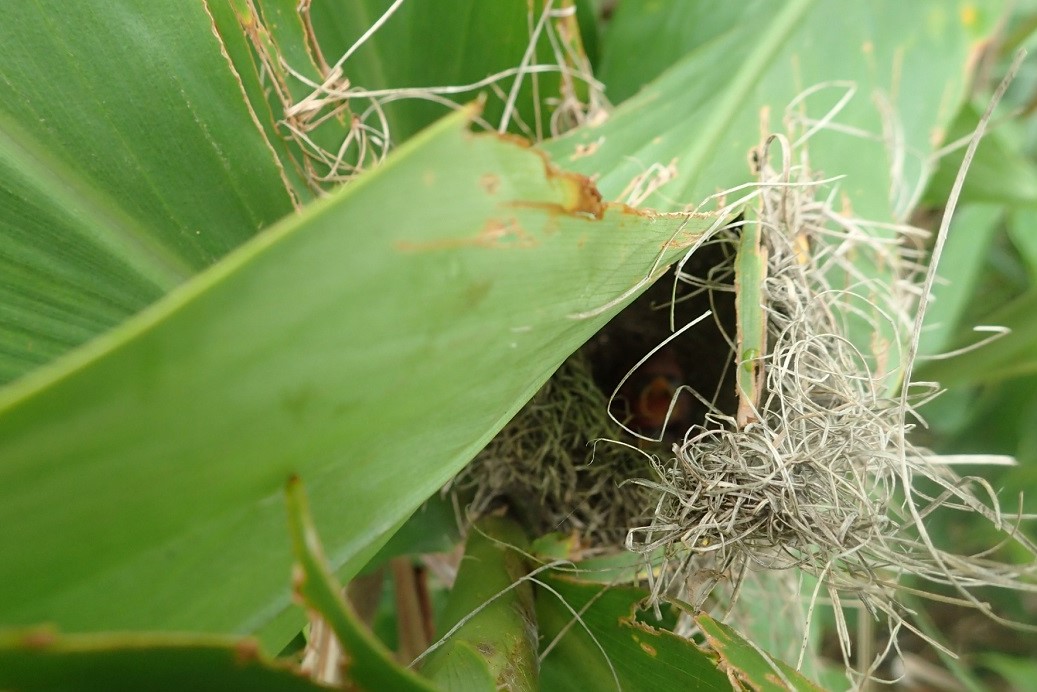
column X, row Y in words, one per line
column 563, row 464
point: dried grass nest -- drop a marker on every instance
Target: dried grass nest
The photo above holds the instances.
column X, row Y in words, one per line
column 823, row 481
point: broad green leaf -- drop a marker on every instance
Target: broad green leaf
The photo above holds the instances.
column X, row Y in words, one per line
column 41, row 660
column 1022, row 229
column 128, row 161
column 1018, row 671
column 746, row 663
column 370, row 664
column 490, row 611
column 612, row 649
column 370, row 345
column 1000, row 172
column 676, row 28
column 735, row 69
column 1012, row 355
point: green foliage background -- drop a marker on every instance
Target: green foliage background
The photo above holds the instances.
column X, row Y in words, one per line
column 185, row 322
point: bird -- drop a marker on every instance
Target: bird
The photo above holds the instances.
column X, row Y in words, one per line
column 650, row 391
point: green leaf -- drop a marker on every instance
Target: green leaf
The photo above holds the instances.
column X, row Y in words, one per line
column 473, row 40
column 964, row 258
column 1022, row 229
column 776, row 625
column 370, row 345
column 490, row 612
column 747, row 664
column 1011, row 355
column 371, row 665
column 873, row 99
column 612, row 649
column 238, row 27
column 128, row 161
column 1018, row 671
column 431, row 529
column 676, row 28
column 1000, row 172
column 465, row 669
column 751, row 344
column 732, row 70
column 42, row 660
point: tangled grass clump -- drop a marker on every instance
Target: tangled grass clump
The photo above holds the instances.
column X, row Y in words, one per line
column 821, row 478
column 549, row 462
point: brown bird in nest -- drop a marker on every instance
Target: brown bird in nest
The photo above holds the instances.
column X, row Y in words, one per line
column 649, row 392
column 697, row 359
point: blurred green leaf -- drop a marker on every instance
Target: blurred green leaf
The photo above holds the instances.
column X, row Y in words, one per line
column 775, row 624
column 473, row 40
column 676, row 28
column 1000, row 173
column 1011, row 355
column 42, row 660
column 964, row 259
column 431, row 529
column 128, row 161
column 1017, row 671
column 1022, row 229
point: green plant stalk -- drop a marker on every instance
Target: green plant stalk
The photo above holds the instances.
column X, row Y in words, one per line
column 750, row 272
column 490, row 611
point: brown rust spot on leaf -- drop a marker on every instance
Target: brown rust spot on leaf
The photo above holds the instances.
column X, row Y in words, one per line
column 246, row 651
column 649, row 649
column 42, row 638
column 587, row 149
column 476, row 292
column 490, row 182
column 685, row 238
column 580, row 195
column 505, row 233
column 496, row 234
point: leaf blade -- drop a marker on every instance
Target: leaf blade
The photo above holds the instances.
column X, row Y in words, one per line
column 171, row 436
